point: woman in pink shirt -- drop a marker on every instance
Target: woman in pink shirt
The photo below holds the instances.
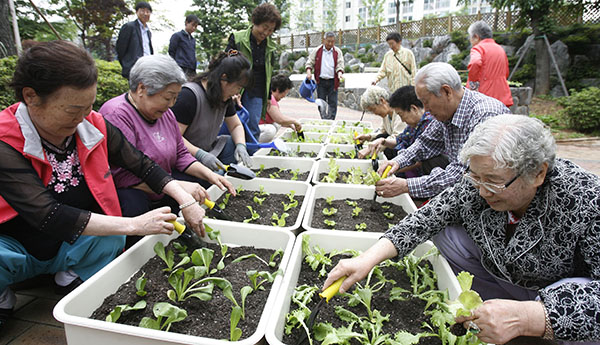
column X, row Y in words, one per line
column 488, row 68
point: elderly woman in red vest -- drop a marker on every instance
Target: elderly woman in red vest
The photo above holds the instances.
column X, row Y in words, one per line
column 59, row 211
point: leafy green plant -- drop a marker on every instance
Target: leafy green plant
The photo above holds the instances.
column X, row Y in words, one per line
column 261, row 191
column 253, row 215
column 202, row 257
column 332, row 174
column 235, row 333
column 388, row 215
column 166, row 314
column 271, row 263
column 115, row 314
column 239, row 189
column 468, row 299
column 361, row 226
column 295, row 174
column 169, row 257
column 582, row 109
column 180, row 281
column 329, row 200
column 258, row 200
column 275, row 175
column 356, row 211
column 258, row 278
column 351, row 203
column 140, row 284
column 279, row 221
column 293, row 202
column 225, row 201
column 330, row 223
column 329, row 211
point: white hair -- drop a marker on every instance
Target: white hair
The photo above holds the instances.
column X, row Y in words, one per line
column 436, row 74
column 373, row 96
column 481, row 29
column 516, row 142
column 156, row 72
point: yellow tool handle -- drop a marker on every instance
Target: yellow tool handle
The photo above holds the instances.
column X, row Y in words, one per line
column 178, row 226
column 210, row 204
column 374, row 155
column 356, row 141
column 332, row 289
column 386, row 171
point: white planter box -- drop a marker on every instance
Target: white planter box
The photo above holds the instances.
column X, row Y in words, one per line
column 343, row 148
column 348, row 123
column 342, row 192
column 289, row 136
column 293, row 163
column 75, row 308
column 294, row 147
column 316, row 122
column 344, row 139
column 345, row 165
column 316, row 129
column 350, row 130
column 329, row 240
column 271, row 186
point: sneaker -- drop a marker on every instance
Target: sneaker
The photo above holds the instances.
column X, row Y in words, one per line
column 64, row 290
column 5, row 315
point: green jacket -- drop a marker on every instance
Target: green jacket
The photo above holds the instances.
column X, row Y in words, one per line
column 242, row 40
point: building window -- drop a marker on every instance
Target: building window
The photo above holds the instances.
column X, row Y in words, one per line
column 405, row 18
column 428, row 5
column 362, row 12
column 443, row 4
column 391, row 20
column 347, row 19
column 407, row 7
column 348, row 4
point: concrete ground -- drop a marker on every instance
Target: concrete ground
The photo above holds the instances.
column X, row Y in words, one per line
column 33, row 322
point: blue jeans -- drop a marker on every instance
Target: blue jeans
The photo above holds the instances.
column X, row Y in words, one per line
column 327, row 92
column 85, row 257
column 254, row 106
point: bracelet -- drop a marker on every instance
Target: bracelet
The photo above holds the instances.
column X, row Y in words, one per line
column 187, row 204
column 548, row 331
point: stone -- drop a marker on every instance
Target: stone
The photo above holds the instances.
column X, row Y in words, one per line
column 522, row 110
column 562, row 57
column 421, row 54
column 589, row 82
column 523, row 94
column 557, row 91
column 579, row 59
column 354, row 61
column 509, row 50
column 348, row 57
column 361, row 51
column 447, row 53
column 380, row 51
column 440, row 43
column 528, row 41
column 284, row 59
column 301, row 62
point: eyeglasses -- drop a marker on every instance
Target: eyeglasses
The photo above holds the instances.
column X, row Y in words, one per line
column 232, row 52
column 490, row 187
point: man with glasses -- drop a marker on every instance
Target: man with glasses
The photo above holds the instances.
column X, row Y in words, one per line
column 524, row 223
column 456, row 111
column 135, row 39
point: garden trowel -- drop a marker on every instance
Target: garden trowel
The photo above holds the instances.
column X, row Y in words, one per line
column 215, row 211
column 326, row 295
column 384, row 175
column 187, row 235
column 357, row 143
column 374, row 161
column 301, row 136
column 239, row 171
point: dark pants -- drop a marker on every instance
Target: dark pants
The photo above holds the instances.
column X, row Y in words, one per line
column 135, row 202
column 190, row 73
column 327, row 92
column 440, row 161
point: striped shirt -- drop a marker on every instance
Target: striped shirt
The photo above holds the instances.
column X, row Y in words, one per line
column 396, row 74
column 447, row 138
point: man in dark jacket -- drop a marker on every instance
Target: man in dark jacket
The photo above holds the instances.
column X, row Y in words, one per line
column 182, row 46
column 135, row 39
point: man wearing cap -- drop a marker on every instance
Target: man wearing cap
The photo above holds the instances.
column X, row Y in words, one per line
column 327, row 63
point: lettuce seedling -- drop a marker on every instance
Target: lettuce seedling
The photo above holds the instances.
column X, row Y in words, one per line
column 168, row 257
column 332, row 175
column 351, row 203
column 329, row 200
column 361, row 226
column 235, row 333
column 259, row 278
column 261, row 191
column 140, row 283
column 351, row 154
column 202, row 257
column 258, row 200
column 274, row 175
column 330, row 223
column 329, row 211
column 180, row 280
column 468, row 299
column 239, row 189
column 388, row 215
column 295, row 174
column 261, row 168
column 225, row 201
column 356, row 211
column 279, row 221
column 253, row 215
column 161, row 311
column 250, row 256
column 115, row 314
column 315, row 258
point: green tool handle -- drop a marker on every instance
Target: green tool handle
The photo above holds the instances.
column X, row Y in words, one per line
column 332, row 289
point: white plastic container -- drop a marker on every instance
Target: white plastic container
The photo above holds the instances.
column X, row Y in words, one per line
column 316, row 122
column 289, row 136
column 271, row 186
column 294, row 147
column 75, row 308
column 343, row 148
column 316, row 129
column 293, row 163
column 350, row 130
column 348, row 123
column 332, row 240
column 343, row 139
column 342, row 192
column 345, row 165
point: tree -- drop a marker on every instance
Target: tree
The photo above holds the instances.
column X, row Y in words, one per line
column 218, row 19
column 284, row 9
column 7, row 41
column 376, row 12
column 304, row 15
column 330, row 21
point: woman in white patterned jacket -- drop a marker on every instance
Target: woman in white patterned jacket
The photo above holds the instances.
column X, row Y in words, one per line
column 525, row 224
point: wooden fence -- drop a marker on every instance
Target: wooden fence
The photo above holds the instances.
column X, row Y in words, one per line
column 498, row 21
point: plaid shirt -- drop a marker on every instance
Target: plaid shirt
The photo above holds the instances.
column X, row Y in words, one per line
column 447, row 138
column 409, row 135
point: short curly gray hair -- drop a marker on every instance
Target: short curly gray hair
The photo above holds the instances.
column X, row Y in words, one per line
column 516, row 142
column 372, row 96
column 481, row 29
column 156, row 72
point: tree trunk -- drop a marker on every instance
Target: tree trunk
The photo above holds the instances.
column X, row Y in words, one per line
column 7, row 40
column 542, row 61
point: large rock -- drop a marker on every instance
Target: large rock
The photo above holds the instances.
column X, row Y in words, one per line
column 523, row 94
column 509, row 50
column 557, row 91
column 440, row 43
column 348, row 57
column 380, row 51
column 528, row 42
column 421, row 53
column 588, row 82
column 284, row 59
column 361, row 51
column 562, row 57
column 579, row 59
column 354, row 61
column 301, row 62
column 447, row 54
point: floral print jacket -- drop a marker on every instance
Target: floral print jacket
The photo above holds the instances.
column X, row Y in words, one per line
column 558, row 237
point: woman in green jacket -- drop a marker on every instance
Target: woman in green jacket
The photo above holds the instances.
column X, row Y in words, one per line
column 256, row 45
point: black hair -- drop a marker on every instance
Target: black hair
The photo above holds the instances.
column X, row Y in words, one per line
column 48, row 66
column 404, row 97
column 394, row 36
column 192, row 18
column 143, row 4
column 280, row 83
column 266, row 13
column 234, row 66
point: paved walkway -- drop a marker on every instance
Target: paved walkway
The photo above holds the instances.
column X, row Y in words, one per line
column 33, row 322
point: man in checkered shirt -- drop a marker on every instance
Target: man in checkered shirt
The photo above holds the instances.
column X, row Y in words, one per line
column 457, row 111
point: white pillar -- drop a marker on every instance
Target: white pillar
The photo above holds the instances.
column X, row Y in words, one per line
column 13, row 13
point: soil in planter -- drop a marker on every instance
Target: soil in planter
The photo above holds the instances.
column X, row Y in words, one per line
column 342, row 155
column 305, row 154
column 342, row 177
column 403, row 315
column 281, row 174
column 237, row 208
column 209, row 319
column 375, row 221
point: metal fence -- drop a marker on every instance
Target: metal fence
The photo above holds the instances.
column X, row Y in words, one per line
column 498, row 21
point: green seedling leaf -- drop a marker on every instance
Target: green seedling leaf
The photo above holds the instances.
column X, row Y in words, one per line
column 287, row 207
column 361, row 226
column 351, row 203
column 249, row 256
column 253, row 215
column 163, row 310
column 168, row 257
column 258, row 200
column 140, row 283
column 115, row 314
column 356, row 211
column 329, row 211
column 329, row 200
column 388, row 215
column 279, row 221
column 330, row 223
column 235, row 332
column 295, row 174
column 244, row 292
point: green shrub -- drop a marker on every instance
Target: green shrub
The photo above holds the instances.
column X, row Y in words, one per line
column 347, row 69
column 427, row 43
column 457, row 60
column 460, row 38
column 376, row 64
column 524, row 73
column 582, row 109
column 344, row 50
column 7, row 69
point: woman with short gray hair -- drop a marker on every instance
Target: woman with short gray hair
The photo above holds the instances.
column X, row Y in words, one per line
column 525, row 224
column 144, row 117
column 375, row 100
column 488, row 66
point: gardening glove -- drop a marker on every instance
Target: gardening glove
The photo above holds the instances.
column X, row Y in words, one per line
column 209, row 160
column 241, row 155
